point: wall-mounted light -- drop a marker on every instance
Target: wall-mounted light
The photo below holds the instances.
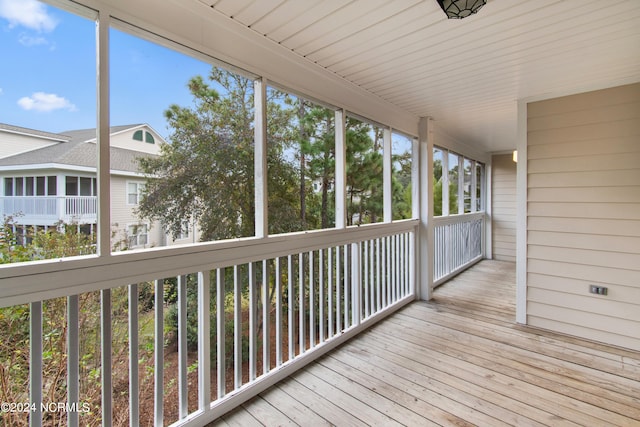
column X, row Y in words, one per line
column 458, row 9
column 515, row 156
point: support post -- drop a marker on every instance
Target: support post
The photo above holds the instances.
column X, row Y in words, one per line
column 426, row 245
column 260, row 161
column 341, row 169
column 103, row 135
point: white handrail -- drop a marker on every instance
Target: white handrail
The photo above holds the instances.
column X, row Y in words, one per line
column 459, row 242
column 19, row 282
column 339, row 289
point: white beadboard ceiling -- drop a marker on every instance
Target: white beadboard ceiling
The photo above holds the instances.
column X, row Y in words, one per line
column 467, row 74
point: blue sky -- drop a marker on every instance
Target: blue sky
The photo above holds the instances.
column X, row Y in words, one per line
column 47, row 76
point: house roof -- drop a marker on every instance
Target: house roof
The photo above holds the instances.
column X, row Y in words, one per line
column 79, row 150
column 86, row 135
column 62, row 137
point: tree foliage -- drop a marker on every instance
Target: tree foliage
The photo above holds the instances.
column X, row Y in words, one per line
column 206, row 171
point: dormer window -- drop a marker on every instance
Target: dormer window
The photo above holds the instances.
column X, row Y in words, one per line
column 148, row 138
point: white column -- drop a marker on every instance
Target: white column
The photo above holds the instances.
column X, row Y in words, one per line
column 341, row 169
column 416, row 191
column 260, row 161
column 204, row 340
column 426, row 246
column 487, row 195
column 460, row 184
column 104, row 167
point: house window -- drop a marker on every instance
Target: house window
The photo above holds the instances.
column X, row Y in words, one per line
column 134, row 192
column 19, row 186
column 52, row 185
column 184, row 232
column 141, row 135
column 8, row 186
column 79, row 186
column 40, row 187
column 30, row 186
column 137, row 235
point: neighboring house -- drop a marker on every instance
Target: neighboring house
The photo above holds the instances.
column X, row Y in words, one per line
column 50, row 178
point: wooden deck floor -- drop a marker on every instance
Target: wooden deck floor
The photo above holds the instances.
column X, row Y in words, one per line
column 457, row 360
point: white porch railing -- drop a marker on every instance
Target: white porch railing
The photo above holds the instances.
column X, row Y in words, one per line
column 256, row 309
column 49, row 209
column 459, row 242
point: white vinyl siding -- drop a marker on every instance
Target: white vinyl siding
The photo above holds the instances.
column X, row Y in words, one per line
column 123, row 214
column 583, row 215
column 503, row 207
column 12, row 144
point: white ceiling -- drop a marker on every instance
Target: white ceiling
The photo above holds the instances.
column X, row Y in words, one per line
column 467, row 74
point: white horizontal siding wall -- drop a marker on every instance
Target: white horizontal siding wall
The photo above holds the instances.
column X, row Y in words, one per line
column 583, row 214
column 503, row 207
column 12, row 143
column 123, row 214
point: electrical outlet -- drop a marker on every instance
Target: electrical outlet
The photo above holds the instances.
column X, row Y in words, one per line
column 598, row 290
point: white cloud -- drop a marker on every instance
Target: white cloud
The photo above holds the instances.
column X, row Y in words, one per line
column 28, row 13
column 45, row 102
column 27, row 40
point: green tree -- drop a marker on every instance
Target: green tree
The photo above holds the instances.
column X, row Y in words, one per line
column 206, row 171
column 401, row 186
column 364, row 173
column 319, row 149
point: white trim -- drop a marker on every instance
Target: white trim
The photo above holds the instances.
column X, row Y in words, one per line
column 521, row 215
column 65, row 167
column 39, row 166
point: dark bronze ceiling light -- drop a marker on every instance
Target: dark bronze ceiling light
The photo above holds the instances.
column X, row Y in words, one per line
column 458, row 9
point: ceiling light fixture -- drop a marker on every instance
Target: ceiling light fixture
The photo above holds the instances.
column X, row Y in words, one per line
column 458, row 9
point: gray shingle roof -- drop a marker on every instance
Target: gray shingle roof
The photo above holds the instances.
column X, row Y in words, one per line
column 78, row 152
column 34, row 132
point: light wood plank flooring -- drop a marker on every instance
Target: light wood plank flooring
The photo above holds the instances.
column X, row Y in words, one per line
column 457, row 360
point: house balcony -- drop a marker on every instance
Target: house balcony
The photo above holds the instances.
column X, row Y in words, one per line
column 49, row 210
column 459, row 359
column 307, row 328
